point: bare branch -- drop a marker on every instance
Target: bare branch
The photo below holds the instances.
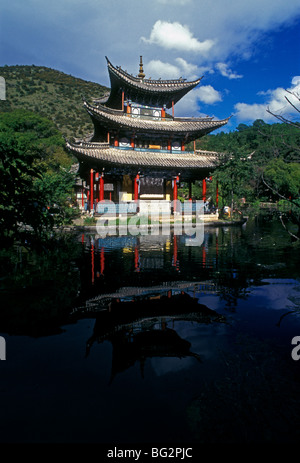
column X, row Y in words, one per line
column 283, row 119
column 292, row 104
column 284, row 226
column 279, row 194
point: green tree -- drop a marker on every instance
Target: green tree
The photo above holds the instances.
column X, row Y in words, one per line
column 234, row 177
column 28, row 144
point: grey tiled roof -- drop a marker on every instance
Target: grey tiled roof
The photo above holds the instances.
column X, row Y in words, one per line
column 146, row 91
column 116, row 156
column 119, row 119
column 152, row 84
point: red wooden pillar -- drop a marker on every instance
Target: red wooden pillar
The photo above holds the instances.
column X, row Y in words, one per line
column 97, row 187
column 92, row 190
column 116, row 142
column 82, row 197
column 182, row 146
column 101, row 187
column 173, row 109
column 175, row 188
column 190, row 191
column 132, row 142
column 217, row 195
column 204, row 189
column 136, row 187
column 175, row 191
column 169, row 145
column 163, row 113
column 123, row 100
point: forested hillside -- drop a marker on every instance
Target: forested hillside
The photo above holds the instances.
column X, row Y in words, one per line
column 51, row 94
column 260, row 140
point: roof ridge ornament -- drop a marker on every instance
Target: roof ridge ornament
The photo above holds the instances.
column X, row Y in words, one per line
column 141, row 74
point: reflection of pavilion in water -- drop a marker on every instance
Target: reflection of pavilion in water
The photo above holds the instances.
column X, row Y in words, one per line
column 148, row 252
column 139, row 319
column 138, row 327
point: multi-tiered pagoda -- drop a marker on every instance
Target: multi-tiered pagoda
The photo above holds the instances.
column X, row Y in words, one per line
column 137, row 150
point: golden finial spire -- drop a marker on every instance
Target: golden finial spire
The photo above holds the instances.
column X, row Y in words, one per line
column 141, row 73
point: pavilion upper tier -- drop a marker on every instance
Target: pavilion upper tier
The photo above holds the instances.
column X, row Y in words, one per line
column 188, row 129
column 148, row 92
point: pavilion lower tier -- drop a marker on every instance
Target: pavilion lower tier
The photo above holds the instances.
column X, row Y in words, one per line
column 95, row 187
column 128, row 175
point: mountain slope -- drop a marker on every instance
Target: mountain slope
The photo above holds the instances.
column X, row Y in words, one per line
column 53, row 94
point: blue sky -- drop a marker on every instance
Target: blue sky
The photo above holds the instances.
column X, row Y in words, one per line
column 247, row 52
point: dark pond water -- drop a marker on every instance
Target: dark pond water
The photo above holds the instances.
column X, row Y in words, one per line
column 144, row 339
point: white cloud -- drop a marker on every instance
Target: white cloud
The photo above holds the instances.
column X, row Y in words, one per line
column 225, row 71
column 178, row 37
column 208, row 95
column 296, row 83
column 251, row 112
column 275, row 101
column 190, row 105
column 156, row 69
column 189, row 71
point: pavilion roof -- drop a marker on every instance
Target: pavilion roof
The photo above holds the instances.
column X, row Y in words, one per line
column 126, row 160
column 189, row 128
column 145, row 91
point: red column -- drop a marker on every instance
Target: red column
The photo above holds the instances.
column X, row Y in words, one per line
column 182, row 146
column 132, row 142
column 136, row 187
column 173, row 109
column 97, row 187
column 169, row 145
column 116, row 142
column 175, row 191
column 92, row 190
column 82, row 198
column 163, row 113
column 101, row 187
column 217, row 195
column 123, row 100
column 175, row 188
column 204, row 189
